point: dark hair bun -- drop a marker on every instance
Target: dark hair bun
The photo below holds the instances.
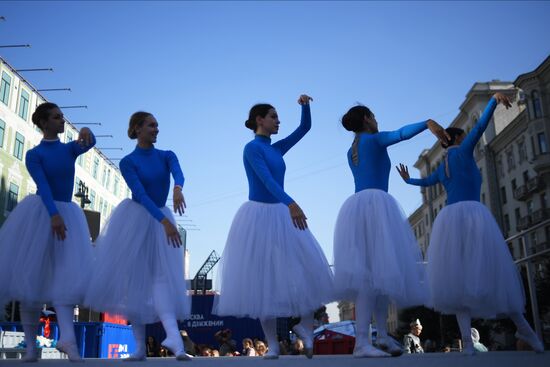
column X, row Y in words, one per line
column 251, row 124
column 347, row 123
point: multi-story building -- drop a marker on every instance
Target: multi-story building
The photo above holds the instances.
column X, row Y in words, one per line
column 18, row 100
column 513, row 157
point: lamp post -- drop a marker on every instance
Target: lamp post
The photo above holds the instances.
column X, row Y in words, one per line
column 82, row 194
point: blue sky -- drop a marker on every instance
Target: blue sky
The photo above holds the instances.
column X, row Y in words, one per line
column 199, row 67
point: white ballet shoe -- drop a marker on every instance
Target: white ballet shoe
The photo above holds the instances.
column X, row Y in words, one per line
column 30, row 356
column 184, row 357
column 390, row 346
column 368, row 351
column 532, row 339
column 136, row 357
column 468, row 349
column 272, row 353
column 70, row 349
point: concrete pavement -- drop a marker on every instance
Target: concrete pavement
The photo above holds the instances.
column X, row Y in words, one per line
column 490, row 359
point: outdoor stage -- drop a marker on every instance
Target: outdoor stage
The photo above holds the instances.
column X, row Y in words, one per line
column 490, row 359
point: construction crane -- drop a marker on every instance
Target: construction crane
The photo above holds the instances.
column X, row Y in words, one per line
column 201, row 278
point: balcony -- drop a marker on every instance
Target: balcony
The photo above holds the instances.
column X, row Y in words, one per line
column 540, row 247
column 524, row 223
column 541, row 163
column 521, row 193
column 540, row 215
column 532, row 186
column 535, row 184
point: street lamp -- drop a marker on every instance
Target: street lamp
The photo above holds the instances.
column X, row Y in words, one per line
column 82, row 194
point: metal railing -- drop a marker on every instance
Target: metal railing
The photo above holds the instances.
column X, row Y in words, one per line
column 528, row 261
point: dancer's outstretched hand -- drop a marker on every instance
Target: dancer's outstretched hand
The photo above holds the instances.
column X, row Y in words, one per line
column 439, row 132
column 502, row 99
column 172, row 233
column 403, row 171
column 179, row 201
column 58, row 227
column 298, row 217
column 304, row 99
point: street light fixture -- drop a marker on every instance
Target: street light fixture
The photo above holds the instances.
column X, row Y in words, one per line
column 54, row 90
column 35, row 69
column 82, row 194
column 13, row 46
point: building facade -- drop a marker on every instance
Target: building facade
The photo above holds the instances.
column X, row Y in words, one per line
column 18, row 100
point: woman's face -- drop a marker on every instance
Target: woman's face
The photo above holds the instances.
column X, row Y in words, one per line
column 55, row 123
column 147, row 133
column 370, row 124
column 268, row 124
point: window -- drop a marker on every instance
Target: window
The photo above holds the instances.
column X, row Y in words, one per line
column 543, row 200
column 543, row 147
column 99, row 209
column 5, row 86
column 92, row 199
column 510, row 160
column 530, row 207
column 525, row 177
column 503, row 194
column 514, row 185
column 13, row 195
column 506, row 223
column 115, row 188
column 522, row 151
column 69, row 137
column 518, row 214
column 533, row 149
column 500, row 167
column 537, row 111
column 104, row 176
column 2, row 132
column 108, row 179
column 18, row 146
column 24, row 104
column 95, row 167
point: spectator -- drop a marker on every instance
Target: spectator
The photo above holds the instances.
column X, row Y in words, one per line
column 298, row 347
column 227, row 345
column 411, row 341
column 206, row 352
column 261, row 349
column 152, row 347
column 248, row 348
column 188, row 344
column 477, row 344
column 216, row 353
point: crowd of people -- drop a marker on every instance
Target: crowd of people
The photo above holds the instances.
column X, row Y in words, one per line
column 136, row 268
column 226, row 347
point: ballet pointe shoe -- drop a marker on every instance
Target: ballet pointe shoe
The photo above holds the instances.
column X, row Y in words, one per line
column 532, row 339
column 30, row 356
column 184, row 357
column 368, row 351
column 136, row 357
column 176, row 347
column 390, row 346
column 70, row 349
column 468, row 349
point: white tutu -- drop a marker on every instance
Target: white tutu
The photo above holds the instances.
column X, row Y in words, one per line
column 35, row 267
column 269, row 268
column 375, row 250
column 133, row 255
column 470, row 266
